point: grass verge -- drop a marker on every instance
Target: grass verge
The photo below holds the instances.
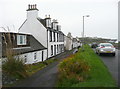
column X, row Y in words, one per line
column 98, row 74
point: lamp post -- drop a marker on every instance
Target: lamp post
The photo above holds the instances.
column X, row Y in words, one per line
column 83, row 31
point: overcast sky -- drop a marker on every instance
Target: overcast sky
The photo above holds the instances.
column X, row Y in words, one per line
column 103, row 20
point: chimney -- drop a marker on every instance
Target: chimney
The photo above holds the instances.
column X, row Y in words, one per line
column 32, row 12
column 48, row 21
column 54, row 24
column 49, row 16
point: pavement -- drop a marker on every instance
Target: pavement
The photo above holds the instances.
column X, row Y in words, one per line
column 46, row 77
column 112, row 64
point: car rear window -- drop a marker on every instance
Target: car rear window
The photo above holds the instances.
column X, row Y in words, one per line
column 106, row 45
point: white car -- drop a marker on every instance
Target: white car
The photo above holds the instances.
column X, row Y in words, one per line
column 105, row 48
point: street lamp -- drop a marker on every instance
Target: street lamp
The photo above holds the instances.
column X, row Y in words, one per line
column 83, row 30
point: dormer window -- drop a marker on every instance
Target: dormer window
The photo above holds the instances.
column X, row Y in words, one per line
column 54, row 24
column 21, row 40
column 48, row 21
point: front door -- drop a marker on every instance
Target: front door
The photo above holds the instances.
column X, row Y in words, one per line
column 54, row 49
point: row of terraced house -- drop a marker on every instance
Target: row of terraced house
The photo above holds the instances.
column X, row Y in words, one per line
column 38, row 39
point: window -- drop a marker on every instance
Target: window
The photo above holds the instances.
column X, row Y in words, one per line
column 35, row 56
column 54, row 49
column 48, row 23
column 51, row 50
column 50, row 36
column 54, row 36
column 57, row 48
column 53, row 25
column 57, row 37
column 21, row 39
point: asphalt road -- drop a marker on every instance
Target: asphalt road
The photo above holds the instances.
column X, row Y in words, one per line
column 112, row 64
column 46, row 77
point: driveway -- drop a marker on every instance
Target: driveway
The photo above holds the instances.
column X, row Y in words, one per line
column 46, row 77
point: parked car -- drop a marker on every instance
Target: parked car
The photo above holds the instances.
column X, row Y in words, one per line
column 105, row 48
column 94, row 45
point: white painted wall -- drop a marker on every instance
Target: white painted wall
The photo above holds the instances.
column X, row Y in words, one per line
column 75, row 44
column 53, row 43
column 34, row 27
column 68, row 43
column 30, row 56
column 32, row 14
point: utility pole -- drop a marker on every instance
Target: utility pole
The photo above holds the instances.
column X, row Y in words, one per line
column 83, row 32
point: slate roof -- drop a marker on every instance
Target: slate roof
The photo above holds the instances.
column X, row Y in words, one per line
column 43, row 22
column 32, row 45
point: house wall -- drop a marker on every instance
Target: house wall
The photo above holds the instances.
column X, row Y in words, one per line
column 68, row 43
column 31, row 56
column 34, row 27
column 58, row 51
column 75, row 44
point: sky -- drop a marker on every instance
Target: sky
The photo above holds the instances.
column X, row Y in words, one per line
column 103, row 20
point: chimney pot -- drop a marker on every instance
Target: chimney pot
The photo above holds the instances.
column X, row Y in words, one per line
column 29, row 6
column 35, row 6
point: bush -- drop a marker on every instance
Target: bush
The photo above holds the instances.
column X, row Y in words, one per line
column 14, row 67
column 73, row 70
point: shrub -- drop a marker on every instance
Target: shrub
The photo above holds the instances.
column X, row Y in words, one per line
column 14, row 67
column 73, row 69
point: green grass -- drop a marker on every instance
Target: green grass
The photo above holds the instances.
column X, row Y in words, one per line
column 99, row 75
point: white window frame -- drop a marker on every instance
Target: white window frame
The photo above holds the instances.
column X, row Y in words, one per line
column 24, row 40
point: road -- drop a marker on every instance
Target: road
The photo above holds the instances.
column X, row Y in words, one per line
column 112, row 64
column 46, row 77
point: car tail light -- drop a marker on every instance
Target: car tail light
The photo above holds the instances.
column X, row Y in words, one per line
column 102, row 47
column 112, row 46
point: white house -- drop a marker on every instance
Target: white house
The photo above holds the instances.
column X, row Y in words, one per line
column 47, row 32
column 25, row 46
column 55, row 37
column 68, row 42
column 33, row 26
column 76, row 42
